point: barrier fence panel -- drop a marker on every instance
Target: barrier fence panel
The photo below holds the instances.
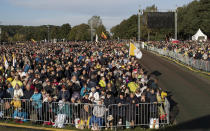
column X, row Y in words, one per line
column 131, row 115
column 83, row 115
column 190, row 61
column 167, row 110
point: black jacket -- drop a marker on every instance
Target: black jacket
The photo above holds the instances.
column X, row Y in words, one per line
column 27, row 94
column 109, row 101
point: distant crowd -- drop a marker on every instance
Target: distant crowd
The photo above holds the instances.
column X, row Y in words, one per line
column 197, row 50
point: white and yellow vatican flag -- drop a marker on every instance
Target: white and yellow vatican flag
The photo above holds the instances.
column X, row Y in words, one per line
column 132, row 47
column 6, row 65
column 134, row 51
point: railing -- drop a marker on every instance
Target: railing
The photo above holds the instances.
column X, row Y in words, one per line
column 190, row 61
column 83, row 115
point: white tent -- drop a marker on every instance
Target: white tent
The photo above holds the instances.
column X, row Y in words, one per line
column 199, row 35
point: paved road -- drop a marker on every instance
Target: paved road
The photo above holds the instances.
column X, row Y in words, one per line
column 189, row 90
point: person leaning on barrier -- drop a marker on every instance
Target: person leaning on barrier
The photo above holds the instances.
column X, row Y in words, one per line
column 121, row 110
column 36, row 99
column 132, row 102
column 97, row 120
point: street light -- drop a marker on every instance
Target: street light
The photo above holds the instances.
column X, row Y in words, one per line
column 139, row 25
column 48, row 33
column 92, row 30
column 0, row 32
column 176, row 24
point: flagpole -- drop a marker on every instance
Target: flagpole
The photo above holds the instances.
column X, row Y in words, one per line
column 139, row 25
column 129, row 48
column 176, row 24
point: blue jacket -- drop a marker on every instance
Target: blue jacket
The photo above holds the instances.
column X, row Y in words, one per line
column 26, row 68
column 37, row 100
column 82, row 93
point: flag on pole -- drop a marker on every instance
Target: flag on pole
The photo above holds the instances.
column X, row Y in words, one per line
column 134, row 51
column 13, row 60
column 132, row 47
column 96, row 38
column 103, row 35
column 6, row 65
column 33, row 41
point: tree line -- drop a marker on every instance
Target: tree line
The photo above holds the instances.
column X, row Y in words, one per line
column 82, row 32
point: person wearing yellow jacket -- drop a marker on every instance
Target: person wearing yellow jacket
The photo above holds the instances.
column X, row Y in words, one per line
column 102, row 82
column 16, row 103
column 16, row 81
column 133, row 86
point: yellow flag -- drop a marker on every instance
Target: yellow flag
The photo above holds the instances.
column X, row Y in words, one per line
column 131, row 49
column 103, row 35
column 33, row 41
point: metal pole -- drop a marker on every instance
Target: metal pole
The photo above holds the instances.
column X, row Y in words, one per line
column 139, row 28
column 48, row 33
column 0, row 32
column 176, row 24
column 91, row 30
column 0, row 35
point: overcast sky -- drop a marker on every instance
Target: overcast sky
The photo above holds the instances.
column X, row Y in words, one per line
column 58, row 12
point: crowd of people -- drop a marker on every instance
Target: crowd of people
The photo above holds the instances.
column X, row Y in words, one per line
column 193, row 49
column 57, row 78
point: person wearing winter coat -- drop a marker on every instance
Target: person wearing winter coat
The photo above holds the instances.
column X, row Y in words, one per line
column 16, row 81
column 75, row 88
column 102, row 82
column 132, row 102
column 28, row 92
column 121, row 109
column 109, row 99
column 18, row 92
column 64, row 94
column 36, row 99
column 10, row 90
column 94, row 96
column 143, row 110
column 152, row 97
column 97, row 119
column 85, row 90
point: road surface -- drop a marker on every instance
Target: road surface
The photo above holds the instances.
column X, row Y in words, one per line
column 189, row 90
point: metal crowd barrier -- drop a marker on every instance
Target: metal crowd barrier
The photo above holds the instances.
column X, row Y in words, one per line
column 190, row 61
column 83, row 115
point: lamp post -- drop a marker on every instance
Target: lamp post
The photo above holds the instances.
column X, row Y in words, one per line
column 176, row 24
column 48, row 33
column 0, row 32
column 139, row 28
